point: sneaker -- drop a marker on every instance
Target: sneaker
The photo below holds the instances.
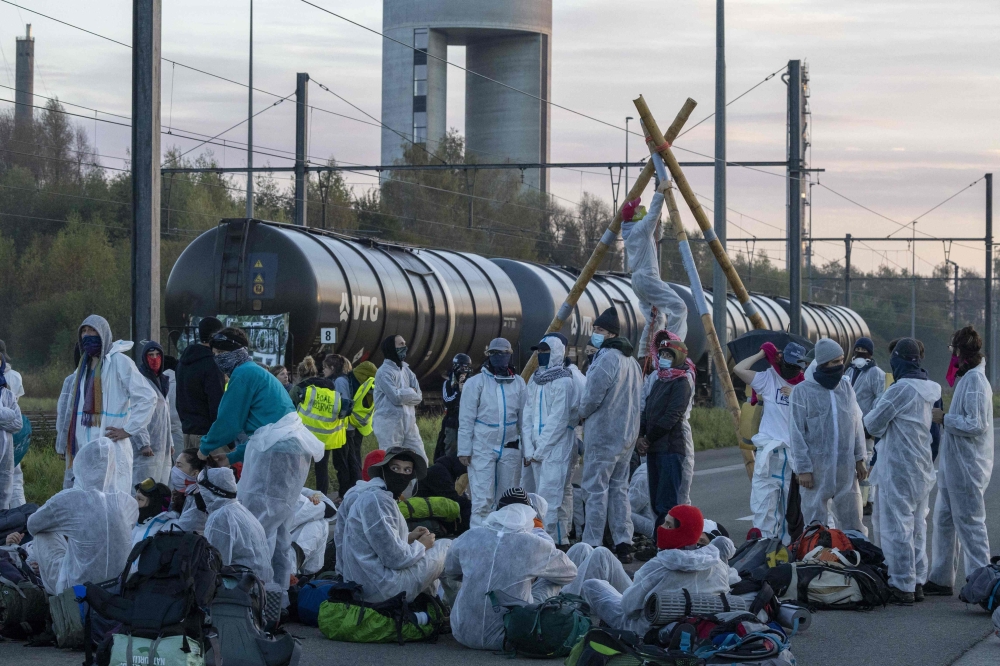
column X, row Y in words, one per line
column 624, row 553
column 868, row 509
column 932, row 589
column 754, row 533
column 918, row 593
column 900, row 598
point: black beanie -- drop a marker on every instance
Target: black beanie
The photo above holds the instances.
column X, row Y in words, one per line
column 609, row 321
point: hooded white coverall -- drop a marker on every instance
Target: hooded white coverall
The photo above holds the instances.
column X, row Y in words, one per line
column 489, row 416
column 904, row 476
column 394, row 422
column 157, row 436
column 640, row 243
column 372, row 548
column 232, row 529
column 10, row 422
column 176, row 434
column 16, row 385
column 84, row 534
column 965, row 464
column 549, row 437
column 610, row 405
column 643, row 518
column 827, row 439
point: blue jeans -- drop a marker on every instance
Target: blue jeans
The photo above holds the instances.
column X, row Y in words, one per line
column 664, row 471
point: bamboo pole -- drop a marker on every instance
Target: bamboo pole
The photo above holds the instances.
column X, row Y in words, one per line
column 609, row 237
column 687, row 258
column 662, row 146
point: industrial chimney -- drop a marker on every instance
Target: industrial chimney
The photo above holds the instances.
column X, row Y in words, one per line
column 24, row 95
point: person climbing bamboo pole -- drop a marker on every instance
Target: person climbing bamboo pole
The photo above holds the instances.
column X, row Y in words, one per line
column 609, row 237
column 662, row 146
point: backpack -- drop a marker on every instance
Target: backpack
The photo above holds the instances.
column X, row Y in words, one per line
column 436, row 508
column 822, row 585
column 237, row 636
column 22, row 440
column 983, row 586
column 345, row 616
column 819, row 536
column 127, row 650
column 16, row 520
column 310, row 597
column 754, row 558
column 67, row 615
column 545, row 630
column 24, row 606
column 605, row 646
column 175, row 580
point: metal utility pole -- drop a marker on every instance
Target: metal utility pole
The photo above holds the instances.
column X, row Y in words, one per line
column 250, row 125
column 990, row 337
column 847, row 270
column 146, row 16
column 955, row 295
column 809, row 244
column 301, row 148
column 720, row 300
column 796, row 164
column 913, row 286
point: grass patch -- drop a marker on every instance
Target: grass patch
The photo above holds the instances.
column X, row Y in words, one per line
column 28, row 404
column 43, row 470
column 712, row 428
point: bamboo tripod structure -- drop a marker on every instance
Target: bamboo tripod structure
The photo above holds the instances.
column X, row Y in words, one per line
column 609, row 237
column 661, row 145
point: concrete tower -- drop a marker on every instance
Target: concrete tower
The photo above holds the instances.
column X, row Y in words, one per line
column 506, row 40
column 24, row 82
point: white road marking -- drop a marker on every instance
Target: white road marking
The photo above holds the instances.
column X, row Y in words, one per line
column 719, row 470
column 746, row 519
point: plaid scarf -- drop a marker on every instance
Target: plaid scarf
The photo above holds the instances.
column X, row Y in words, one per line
column 669, row 374
column 93, row 401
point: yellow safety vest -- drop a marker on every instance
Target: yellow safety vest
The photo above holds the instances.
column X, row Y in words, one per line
column 361, row 416
column 318, row 410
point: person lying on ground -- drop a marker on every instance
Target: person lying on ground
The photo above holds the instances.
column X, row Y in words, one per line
column 374, row 547
column 679, row 565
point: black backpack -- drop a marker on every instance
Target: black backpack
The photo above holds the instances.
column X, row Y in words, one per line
column 168, row 594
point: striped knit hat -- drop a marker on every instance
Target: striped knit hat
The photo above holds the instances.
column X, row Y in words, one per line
column 513, row 496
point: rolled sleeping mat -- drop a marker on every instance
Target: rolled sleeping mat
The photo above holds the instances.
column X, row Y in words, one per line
column 789, row 614
column 664, row 607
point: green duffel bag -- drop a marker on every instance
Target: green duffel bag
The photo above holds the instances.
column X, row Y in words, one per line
column 422, row 508
column 129, row 650
column 67, row 617
column 345, row 617
column 543, row 631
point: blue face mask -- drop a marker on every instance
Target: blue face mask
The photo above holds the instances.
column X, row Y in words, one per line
column 499, row 362
column 543, row 359
column 665, row 363
column 597, row 339
column 91, row 345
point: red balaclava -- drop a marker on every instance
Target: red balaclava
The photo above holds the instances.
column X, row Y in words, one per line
column 690, row 525
column 373, row 458
column 628, row 210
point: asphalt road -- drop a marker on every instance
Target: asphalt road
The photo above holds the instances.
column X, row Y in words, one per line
column 938, row 632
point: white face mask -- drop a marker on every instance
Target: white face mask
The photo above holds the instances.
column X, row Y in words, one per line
column 859, row 362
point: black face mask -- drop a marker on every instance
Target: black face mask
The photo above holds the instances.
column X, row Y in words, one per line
column 395, row 482
column 829, row 377
column 789, row 370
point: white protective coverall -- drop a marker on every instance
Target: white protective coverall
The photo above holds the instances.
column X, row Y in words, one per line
column 503, row 556
column 129, row 401
column 489, row 416
column 965, row 464
column 772, row 473
column 687, row 471
column 643, row 517
column 176, row 433
column 84, row 534
column 610, row 405
column 64, row 408
column 10, row 422
column 640, row 243
column 157, row 436
column 570, row 502
column 904, row 476
column 827, row 439
column 154, row 525
column 275, row 466
column 549, row 437
column 16, row 384
column 311, row 529
column 231, row 528
column 372, row 548
column 394, row 422
column 700, row 571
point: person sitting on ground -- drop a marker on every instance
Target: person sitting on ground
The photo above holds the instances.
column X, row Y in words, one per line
column 827, row 442
column 679, row 565
column 667, row 397
column 185, row 500
column 344, row 505
column 374, row 547
column 643, row 518
column 154, row 510
column 310, row 530
column 504, row 556
column 440, row 482
column 231, row 528
column 84, row 534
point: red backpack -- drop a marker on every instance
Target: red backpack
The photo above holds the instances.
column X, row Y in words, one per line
column 819, row 536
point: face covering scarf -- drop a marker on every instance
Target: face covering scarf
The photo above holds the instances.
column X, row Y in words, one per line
column 91, row 345
column 179, row 481
column 229, row 361
column 499, row 363
column 91, row 395
column 829, row 377
column 395, row 483
column 543, row 359
column 906, row 369
column 952, row 375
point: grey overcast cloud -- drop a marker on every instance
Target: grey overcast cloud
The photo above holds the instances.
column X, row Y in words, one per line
column 904, row 95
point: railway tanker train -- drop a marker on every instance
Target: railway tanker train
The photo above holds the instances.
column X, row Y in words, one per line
column 344, row 295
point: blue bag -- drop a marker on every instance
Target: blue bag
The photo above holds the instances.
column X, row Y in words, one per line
column 22, row 440
column 311, row 595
